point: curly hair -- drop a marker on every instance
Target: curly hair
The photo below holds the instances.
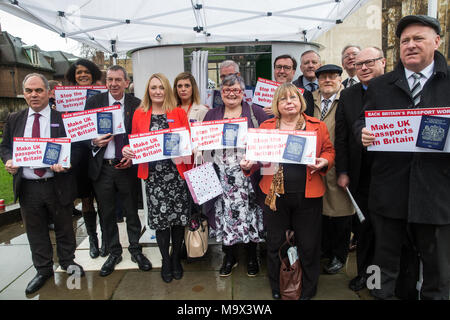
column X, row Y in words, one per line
column 92, row 67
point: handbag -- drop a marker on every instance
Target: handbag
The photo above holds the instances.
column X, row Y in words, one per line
column 203, row 183
column 196, row 237
column 290, row 274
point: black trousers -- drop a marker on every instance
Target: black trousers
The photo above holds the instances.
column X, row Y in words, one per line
column 38, row 203
column 123, row 183
column 304, row 216
column 364, row 234
column 336, row 237
column 396, row 257
column 433, row 244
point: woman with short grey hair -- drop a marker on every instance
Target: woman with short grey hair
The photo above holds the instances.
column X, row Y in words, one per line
column 235, row 216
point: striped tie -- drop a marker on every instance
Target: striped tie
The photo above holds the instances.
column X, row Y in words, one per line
column 326, row 102
column 416, row 88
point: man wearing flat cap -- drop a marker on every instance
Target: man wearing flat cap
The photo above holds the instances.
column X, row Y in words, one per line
column 337, row 208
column 409, row 192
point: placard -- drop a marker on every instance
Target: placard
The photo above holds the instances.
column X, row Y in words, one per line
column 398, row 130
column 265, row 90
column 268, row 145
column 208, row 135
column 29, row 152
column 149, row 146
column 73, row 98
column 82, row 125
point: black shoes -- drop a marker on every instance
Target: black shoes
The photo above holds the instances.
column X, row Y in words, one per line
column 37, row 282
column 166, row 271
column 177, row 268
column 142, row 261
column 276, row 294
column 103, row 250
column 334, row 266
column 109, row 265
column 227, row 266
column 73, row 268
column 252, row 268
column 94, row 251
column 357, row 283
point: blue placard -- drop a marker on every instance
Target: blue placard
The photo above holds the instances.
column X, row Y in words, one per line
column 230, row 134
column 433, row 132
column 52, row 152
column 171, row 145
column 295, row 145
column 104, row 122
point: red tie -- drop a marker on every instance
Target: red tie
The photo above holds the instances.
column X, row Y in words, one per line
column 36, row 133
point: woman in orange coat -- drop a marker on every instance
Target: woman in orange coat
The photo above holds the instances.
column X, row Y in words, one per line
column 294, row 192
column 167, row 193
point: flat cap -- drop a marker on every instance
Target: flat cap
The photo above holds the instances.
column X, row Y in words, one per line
column 420, row 19
column 329, row 68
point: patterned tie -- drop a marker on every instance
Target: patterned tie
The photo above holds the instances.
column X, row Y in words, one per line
column 118, row 140
column 36, row 133
column 326, row 102
column 416, row 88
column 312, row 87
column 350, row 82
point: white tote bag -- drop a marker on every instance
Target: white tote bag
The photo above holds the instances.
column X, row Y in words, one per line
column 203, row 183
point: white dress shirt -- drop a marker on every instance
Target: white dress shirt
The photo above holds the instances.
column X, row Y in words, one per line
column 110, row 152
column 44, row 127
column 426, row 74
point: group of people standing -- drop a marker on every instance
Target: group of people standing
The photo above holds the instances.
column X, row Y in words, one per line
column 402, row 195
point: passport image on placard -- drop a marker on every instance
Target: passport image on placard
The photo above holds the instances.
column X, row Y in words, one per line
column 104, row 122
column 91, row 92
column 295, row 146
column 171, row 146
column 433, row 132
column 230, row 134
column 51, row 155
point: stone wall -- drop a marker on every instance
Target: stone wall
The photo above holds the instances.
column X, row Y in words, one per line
column 394, row 10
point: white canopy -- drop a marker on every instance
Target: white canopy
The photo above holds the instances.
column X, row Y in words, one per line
column 117, row 26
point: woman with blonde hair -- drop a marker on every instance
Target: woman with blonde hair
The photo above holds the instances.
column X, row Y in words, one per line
column 294, row 192
column 188, row 97
column 167, row 194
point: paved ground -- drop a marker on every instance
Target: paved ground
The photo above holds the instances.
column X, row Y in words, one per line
column 200, row 282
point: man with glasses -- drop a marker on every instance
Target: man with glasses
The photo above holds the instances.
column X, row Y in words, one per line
column 348, row 62
column 352, row 161
column 284, row 68
column 409, row 191
column 337, row 208
column 228, row 67
column 309, row 63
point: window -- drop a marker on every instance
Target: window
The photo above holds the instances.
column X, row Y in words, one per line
column 33, row 55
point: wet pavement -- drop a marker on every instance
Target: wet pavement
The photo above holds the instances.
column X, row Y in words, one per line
column 201, row 279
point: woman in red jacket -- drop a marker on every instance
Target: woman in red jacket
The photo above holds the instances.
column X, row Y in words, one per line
column 294, row 192
column 167, row 194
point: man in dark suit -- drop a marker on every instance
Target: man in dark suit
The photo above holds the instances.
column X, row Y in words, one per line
column 309, row 63
column 112, row 174
column 348, row 56
column 284, row 67
column 409, row 190
column 352, row 161
column 44, row 193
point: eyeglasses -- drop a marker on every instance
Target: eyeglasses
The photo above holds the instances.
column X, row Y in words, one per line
column 350, row 55
column 284, row 100
column 286, row 68
column 227, row 91
column 325, row 76
column 369, row 63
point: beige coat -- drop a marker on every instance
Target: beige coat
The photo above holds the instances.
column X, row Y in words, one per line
column 336, row 202
column 197, row 112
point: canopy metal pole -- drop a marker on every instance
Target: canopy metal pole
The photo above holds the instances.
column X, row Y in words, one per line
column 432, row 8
